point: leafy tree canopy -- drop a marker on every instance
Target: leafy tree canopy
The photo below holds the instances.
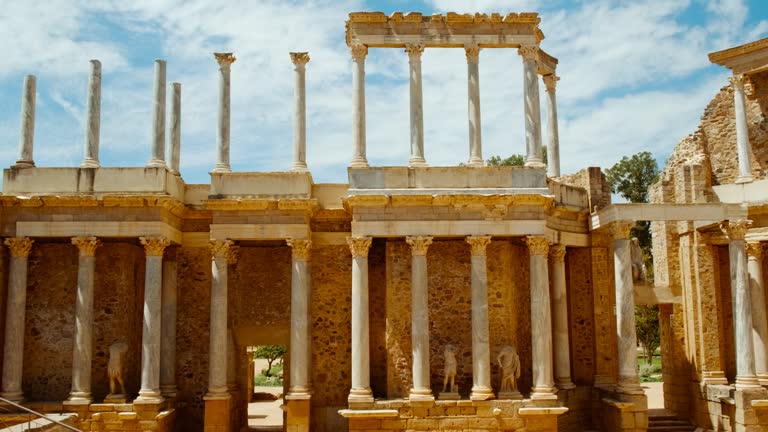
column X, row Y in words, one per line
column 631, row 176
column 271, row 353
column 514, row 160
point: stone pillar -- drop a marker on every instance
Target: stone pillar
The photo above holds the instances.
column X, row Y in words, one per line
column 759, row 319
column 417, row 116
column 13, row 352
column 300, row 323
column 541, row 319
column 743, row 148
column 300, row 60
column 561, row 338
column 473, row 104
column 217, row 364
column 360, row 395
column 533, row 156
column 83, row 343
column 358, row 105
column 175, row 133
column 150, row 337
column 158, row 118
column 93, row 117
column 481, row 349
column 421, row 391
column 222, row 162
column 232, row 386
column 27, row 137
column 553, row 139
column 168, row 332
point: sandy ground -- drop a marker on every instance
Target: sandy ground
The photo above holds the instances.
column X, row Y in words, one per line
column 265, row 415
column 655, row 393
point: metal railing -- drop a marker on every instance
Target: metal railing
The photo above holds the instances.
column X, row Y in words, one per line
column 21, row 407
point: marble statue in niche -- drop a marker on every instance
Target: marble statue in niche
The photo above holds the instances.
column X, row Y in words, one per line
column 117, row 353
column 509, row 362
column 449, row 374
column 638, row 264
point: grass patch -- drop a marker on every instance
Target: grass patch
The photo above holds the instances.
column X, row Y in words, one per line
column 650, row 372
column 274, row 379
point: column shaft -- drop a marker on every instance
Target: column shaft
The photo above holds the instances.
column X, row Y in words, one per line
column 175, row 132
column 629, row 381
column 27, row 136
column 533, row 156
column 168, row 333
column 360, row 394
column 759, row 319
column 93, row 117
column 743, row 148
column 541, row 319
column 150, row 337
column 158, row 118
column 560, row 320
column 553, row 139
column 13, row 352
column 421, row 390
column 300, row 60
column 222, row 163
column 358, row 105
column 473, row 106
column 481, row 350
column 217, row 363
column 417, row 114
column 300, row 354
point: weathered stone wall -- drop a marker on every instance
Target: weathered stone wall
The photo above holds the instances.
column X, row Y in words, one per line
column 593, row 181
column 581, row 311
column 726, row 314
column 3, row 295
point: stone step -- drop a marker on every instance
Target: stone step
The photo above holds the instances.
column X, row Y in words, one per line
column 656, row 425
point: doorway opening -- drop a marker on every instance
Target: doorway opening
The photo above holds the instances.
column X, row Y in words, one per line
column 266, row 380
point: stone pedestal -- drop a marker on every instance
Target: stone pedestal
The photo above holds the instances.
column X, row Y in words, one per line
column 217, row 413
column 297, row 413
column 452, row 395
column 360, row 395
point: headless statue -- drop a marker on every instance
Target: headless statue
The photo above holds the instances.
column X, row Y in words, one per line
column 509, row 362
column 115, row 369
column 450, row 368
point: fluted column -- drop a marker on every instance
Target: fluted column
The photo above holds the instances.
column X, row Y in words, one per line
column 299, row 385
column 360, row 394
column 359, row 52
column 168, row 333
column 743, row 148
column 175, row 131
column 417, row 115
column 217, row 360
column 83, row 343
column 421, row 391
column 151, row 330
column 553, row 139
column 533, row 155
column 13, row 352
column 158, row 118
column 560, row 336
column 92, row 117
column 300, row 60
column 222, row 162
column 473, row 105
column 27, row 136
column 481, row 349
column 759, row 319
column 541, row 319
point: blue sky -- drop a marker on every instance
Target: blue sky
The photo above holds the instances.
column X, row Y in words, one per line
column 634, row 77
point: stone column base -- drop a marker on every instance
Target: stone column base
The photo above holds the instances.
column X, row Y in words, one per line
column 298, row 414
column 217, row 414
column 360, row 399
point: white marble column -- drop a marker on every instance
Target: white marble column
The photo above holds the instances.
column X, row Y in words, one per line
column 541, row 319
column 759, row 318
column 83, row 343
column 421, row 391
column 92, row 117
column 736, row 230
column 360, row 394
column 417, row 106
column 300, row 358
column 169, row 300
column 158, row 118
column 553, row 139
column 175, row 128
column 481, row 349
column 560, row 327
column 150, row 336
column 473, row 106
column 359, row 52
column 232, row 385
column 217, row 363
column 222, row 162
column 743, row 148
column 533, row 155
column 300, row 60
column 27, row 136
column 13, row 352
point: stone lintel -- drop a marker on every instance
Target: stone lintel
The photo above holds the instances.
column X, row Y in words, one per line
column 371, row 413
column 666, row 212
column 753, row 54
column 532, row 411
column 452, row 228
column 102, row 229
column 260, row 231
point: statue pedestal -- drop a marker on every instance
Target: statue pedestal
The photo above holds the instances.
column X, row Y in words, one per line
column 116, row 399
column 448, row 396
column 509, row 395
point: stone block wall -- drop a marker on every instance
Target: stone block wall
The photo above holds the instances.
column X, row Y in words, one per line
column 593, row 181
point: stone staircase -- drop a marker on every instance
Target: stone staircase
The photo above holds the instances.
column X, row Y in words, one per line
column 668, row 423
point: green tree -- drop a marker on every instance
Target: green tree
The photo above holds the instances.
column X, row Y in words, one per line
column 270, row 353
column 647, row 323
column 514, row 160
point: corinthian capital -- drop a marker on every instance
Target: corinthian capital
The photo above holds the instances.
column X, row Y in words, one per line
column 737, row 80
column 359, row 51
column 224, row 59
column 537, row 245
column 233, row 255
column 154, row 246
column 359, row 246
column 621, row 229
column 755, row 250
column 301, row 248
column 19, row 246
column 414, row 51
column 220, row 248
column 550, row 81
column 300, row 58
column 419, row 244
column 478, row 244
column 86, row 245
column 528, row 52
column 472, row 52
column 735, row 229
column 557, row 252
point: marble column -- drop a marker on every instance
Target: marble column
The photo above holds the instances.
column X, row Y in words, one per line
column 232, row 385
column 151, row 334
column 553, row 139
column 562, row 346
column 158, row 118
column 759, row 319
column 27, row 137
column 533, row 155
column 417, row 115
column 93, row 117
column 481, row 349
column 473, row 106
column 301, row 356
column 541, row 319
column 217, row 363
column 83, row 343
column 225, row 61
column 421, row 390
column 13, row 352
column 300, row 60
column 360, row 394
column 169, row 300
column 358, row 105
column 743, row 148
column 175, row 132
